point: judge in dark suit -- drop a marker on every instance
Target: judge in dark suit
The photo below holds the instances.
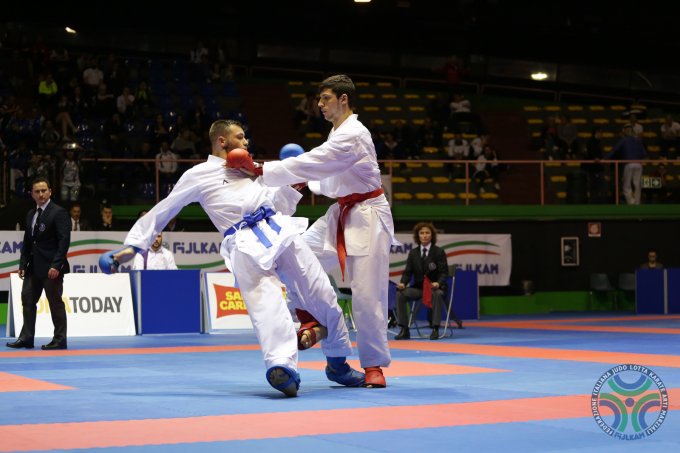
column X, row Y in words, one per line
column 425, row 260
column 43, row 265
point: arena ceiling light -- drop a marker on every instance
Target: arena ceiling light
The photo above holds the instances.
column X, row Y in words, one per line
column 539, row 76
column 70, row 30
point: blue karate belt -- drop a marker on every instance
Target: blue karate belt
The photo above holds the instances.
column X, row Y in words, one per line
column 250, row 221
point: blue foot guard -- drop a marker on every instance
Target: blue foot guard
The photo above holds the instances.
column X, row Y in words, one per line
column 284, row 380
column 338, row 370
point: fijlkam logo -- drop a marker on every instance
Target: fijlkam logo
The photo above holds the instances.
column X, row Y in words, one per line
column 635, row 401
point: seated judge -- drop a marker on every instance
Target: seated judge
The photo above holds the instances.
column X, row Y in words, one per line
column 427, row 267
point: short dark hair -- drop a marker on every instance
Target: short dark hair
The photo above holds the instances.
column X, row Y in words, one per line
column 39, row 179
column 220, row 127
column 419, row 226
column 340, row 84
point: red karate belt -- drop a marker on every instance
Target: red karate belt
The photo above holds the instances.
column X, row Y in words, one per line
column 427, row 292
column 346, row 204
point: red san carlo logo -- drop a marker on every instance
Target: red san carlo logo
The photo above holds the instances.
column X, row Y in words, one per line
column 629, row 402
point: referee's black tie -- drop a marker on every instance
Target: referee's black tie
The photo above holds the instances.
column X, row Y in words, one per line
column 35, row 225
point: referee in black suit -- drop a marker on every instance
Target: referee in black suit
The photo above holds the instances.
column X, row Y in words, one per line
column 43, row 265
column 425, row 260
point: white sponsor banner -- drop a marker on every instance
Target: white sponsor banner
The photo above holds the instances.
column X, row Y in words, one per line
column 490, row 255
column 225, row 306
column 96, row 305
column 191, row 250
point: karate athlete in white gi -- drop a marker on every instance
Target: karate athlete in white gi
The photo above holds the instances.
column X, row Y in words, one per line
column 355, row 233
column 260, row 239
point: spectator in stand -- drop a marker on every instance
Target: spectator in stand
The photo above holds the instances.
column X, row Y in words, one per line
column 160, row 132
column 461, row 118
column 429, row 134
column 550, row 139
column 47, row 95
column 81, row 106
column 115, row 136
column 125, row 103
column 487, row 167
column 458, row 149
column 115, row 75
column 568, row 137
column 19, row 160
column 49, row 138
column 453, row 73
column 197, row 57
column 92, row 77
column 143, row 99
column 477, row 145
column 59, row 63
column 106, row 220
column 597, row 186
column 405, row 136
column 670, row 137
column 40, row 166
column 63, row 118
column 459, row 104
column 198, row 118
column 78, row 223
column 167, row 163
column 630, row 148
column 70, row 174
column 103, row 103
column 183, row 145
column 637, row 127
column 390, row 148
column 184, row 148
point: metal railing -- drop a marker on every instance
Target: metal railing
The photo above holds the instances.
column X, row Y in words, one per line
column 537, row 175
column 522, row 169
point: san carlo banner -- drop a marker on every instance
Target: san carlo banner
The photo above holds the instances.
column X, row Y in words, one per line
column 225, row 307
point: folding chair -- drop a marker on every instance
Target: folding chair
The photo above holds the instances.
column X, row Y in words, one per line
column 345, row 302
column 416, row 304
column 392, row 307
column 600, row 284
column 626, row 284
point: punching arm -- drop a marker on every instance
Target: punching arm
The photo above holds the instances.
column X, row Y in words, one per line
column 240, row 159
column 110, row 261
column 292, row 150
